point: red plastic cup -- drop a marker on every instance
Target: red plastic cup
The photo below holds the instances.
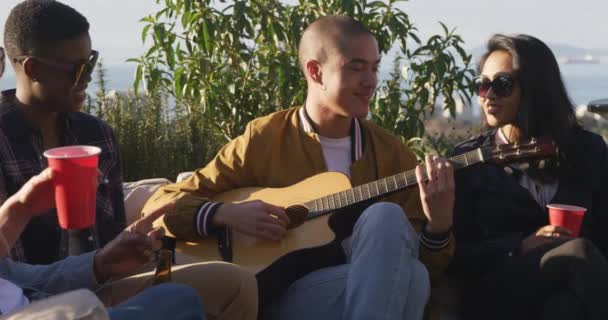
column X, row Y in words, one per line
column 567, row 216
column 75, row 182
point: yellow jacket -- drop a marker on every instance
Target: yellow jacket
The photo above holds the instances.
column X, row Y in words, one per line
column 275, row 152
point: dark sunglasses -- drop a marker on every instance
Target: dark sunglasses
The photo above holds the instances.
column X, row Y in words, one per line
column 77, row 71
column 502, row 85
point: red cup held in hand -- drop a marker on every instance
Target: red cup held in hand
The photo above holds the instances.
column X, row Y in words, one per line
column 75, row 182
column 567, row 216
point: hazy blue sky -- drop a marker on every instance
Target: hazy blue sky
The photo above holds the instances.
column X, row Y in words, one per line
column 116, row 31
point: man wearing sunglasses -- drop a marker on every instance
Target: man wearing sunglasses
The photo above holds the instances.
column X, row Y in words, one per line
column 48, row 45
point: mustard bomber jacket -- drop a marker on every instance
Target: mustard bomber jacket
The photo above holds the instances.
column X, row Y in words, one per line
column 275, row 152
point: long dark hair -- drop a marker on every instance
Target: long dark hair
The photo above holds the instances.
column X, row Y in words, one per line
column 545, row 109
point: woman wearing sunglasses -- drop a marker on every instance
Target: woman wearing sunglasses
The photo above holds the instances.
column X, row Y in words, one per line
column 514, row 264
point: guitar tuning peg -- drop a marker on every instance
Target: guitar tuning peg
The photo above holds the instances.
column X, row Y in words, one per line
column 533, row 140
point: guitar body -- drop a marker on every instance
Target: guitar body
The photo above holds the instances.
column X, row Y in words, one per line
column 314, row 238
column 305, row 248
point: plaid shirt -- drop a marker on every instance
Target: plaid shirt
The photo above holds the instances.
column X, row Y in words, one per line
column 21, row 148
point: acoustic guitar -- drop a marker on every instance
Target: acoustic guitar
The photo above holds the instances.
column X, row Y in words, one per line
column 323, row 210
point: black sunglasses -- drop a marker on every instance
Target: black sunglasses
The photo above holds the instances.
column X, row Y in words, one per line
column 77, row 71
column 502, row 85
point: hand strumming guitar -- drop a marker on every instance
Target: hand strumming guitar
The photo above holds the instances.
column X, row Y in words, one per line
column 254, row 218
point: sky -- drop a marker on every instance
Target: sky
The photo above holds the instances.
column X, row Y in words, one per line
column 580, row 23
column 116, row 32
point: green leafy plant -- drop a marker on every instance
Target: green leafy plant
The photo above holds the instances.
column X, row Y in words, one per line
column 232, row 62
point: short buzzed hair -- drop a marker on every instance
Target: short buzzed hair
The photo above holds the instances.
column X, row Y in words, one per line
column 32, row 25
column 326, row 33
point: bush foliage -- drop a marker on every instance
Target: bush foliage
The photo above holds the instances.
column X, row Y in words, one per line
column 211, row 67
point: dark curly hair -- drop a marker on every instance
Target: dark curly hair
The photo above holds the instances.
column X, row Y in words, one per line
column 33, row 25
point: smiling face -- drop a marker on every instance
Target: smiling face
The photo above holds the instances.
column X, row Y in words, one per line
column 54, row 86
column 498, row 110
column 350, row 76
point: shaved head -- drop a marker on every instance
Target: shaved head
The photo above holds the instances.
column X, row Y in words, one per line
column 328, row 35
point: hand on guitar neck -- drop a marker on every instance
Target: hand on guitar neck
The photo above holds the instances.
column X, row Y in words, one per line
column 437, row 193
column 254, row 218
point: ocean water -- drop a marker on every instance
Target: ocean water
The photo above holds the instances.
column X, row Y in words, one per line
column 584, row 82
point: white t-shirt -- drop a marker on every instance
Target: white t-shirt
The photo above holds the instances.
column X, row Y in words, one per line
column 337, row 154
column 11, row 297
column 338, row 157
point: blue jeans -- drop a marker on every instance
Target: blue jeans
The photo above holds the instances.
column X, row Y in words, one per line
column 164, row 301
column 383, row 278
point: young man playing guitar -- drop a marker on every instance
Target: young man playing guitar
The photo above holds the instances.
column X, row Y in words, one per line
column 380, row 275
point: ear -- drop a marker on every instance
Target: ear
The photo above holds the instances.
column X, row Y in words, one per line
column 313, row 71
column 31, row 69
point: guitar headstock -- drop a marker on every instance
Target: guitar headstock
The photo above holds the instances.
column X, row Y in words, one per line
column 517, row 152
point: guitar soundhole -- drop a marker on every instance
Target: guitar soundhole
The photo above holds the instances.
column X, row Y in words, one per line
column 297, row 215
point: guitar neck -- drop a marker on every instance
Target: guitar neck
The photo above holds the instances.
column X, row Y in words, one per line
column 383, row 187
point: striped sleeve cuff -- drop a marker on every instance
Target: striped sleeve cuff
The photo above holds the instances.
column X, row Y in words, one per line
column 203, row 218
column 434, row 245
column 434, row 242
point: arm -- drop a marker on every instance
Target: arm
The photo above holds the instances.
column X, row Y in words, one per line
column 72, row 273
column 35, row 197
column 123, row 256
column 595, row 227
column 437, row 245
column 12, row 224
column 228, row 170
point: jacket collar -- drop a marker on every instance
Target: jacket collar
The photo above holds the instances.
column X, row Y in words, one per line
column 356, row 132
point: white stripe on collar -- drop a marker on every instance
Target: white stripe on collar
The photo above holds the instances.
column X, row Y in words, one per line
column 307, row 127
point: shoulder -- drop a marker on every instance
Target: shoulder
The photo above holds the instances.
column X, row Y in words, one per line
column 590, row 148
column 272, row 123
column 7, row 105
column 87, row 122
column 380, row 134
column 88, row 129
column 590, row 139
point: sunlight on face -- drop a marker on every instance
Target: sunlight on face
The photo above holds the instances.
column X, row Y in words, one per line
column 498, row 110
column 350, row 76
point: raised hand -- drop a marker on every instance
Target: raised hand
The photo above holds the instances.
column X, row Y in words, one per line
column 131, row 249
column 437, row 193
column 37, row 195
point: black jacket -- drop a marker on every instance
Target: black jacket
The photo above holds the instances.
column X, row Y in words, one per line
column 493, row 213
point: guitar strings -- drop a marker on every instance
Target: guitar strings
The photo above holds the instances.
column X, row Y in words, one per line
column 377, row 188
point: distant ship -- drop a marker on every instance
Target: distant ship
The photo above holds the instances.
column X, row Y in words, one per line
column 587, row 59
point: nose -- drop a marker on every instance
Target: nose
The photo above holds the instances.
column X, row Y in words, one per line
column 370, row 80
column 490, row 94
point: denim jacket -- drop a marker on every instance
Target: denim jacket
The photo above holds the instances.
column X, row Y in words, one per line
column 42, row 281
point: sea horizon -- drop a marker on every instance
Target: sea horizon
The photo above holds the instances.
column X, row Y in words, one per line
column 584, row 82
